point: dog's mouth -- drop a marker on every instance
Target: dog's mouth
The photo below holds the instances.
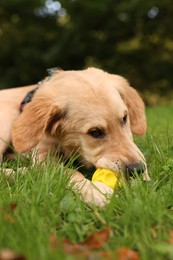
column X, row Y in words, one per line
column 86, row 169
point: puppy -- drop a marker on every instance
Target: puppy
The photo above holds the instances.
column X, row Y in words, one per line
column 90, row 113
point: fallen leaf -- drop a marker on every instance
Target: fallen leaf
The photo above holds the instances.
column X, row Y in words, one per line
column 53, row 242
column 7, row 254
column 171, row 237
column 9, row 218
column 71, row 248
column 93, row 242
column 9, row 211
column 13, row 206
column 98, row 239
column 124, row 253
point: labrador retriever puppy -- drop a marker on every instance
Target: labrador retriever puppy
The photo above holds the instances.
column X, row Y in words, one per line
column 90, row 113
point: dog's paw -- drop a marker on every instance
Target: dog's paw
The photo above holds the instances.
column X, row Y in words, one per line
column 93, row 193
column 99, row 194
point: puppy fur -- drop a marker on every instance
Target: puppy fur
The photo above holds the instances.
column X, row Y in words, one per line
column 90, row 113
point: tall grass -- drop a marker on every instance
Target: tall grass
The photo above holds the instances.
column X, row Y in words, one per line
column 37, row 206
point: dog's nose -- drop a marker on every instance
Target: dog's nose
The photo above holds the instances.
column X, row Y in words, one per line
column 135, row 167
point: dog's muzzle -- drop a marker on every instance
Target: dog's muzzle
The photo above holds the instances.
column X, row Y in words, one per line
column 137, row 168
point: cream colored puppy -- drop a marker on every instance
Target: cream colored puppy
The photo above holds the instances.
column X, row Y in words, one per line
column 89, row 112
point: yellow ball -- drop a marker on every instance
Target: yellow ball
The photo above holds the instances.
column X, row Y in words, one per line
column 108, row 177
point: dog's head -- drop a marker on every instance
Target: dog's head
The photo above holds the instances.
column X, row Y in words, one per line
column 91, row 112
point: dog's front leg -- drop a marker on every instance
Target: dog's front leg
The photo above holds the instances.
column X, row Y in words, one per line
column 95, row 193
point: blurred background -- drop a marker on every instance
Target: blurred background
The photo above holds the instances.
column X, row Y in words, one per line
column 133, row 38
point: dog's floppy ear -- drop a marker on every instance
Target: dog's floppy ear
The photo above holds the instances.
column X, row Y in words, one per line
column 38, row 117
column 136, row 110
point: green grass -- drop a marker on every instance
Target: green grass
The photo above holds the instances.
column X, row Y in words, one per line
column 140, row 217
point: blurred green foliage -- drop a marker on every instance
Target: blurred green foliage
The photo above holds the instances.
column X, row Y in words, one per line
column 133, row 38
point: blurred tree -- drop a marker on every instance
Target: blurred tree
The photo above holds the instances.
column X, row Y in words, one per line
column 25, row 42
column 132, row 37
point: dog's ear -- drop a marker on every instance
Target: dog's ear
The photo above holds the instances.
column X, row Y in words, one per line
column 136, row 109
column 38, row 117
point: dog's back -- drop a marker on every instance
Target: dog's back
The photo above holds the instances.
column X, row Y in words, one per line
column 10, row 100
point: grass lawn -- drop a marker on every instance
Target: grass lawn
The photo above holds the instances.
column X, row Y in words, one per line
column 41, row 219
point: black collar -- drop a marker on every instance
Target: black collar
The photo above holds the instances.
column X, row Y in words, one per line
column 51, row 72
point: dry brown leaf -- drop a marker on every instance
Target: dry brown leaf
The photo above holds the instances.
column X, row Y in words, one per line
column 9, row 211
column 9, row 218
column 124, row 253
column 53, row 242
column 7, row 254
column 71, row 248
column 12, row 206
column 171, row 237
column 93, row 242
column 98, row 239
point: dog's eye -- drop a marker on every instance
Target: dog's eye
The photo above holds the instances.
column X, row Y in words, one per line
column 96, row 133
column 124, row 120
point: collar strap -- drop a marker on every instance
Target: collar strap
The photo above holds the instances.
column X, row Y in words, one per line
column 51, row 72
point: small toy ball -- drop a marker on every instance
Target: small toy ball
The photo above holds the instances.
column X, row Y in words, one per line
column 108, row 177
